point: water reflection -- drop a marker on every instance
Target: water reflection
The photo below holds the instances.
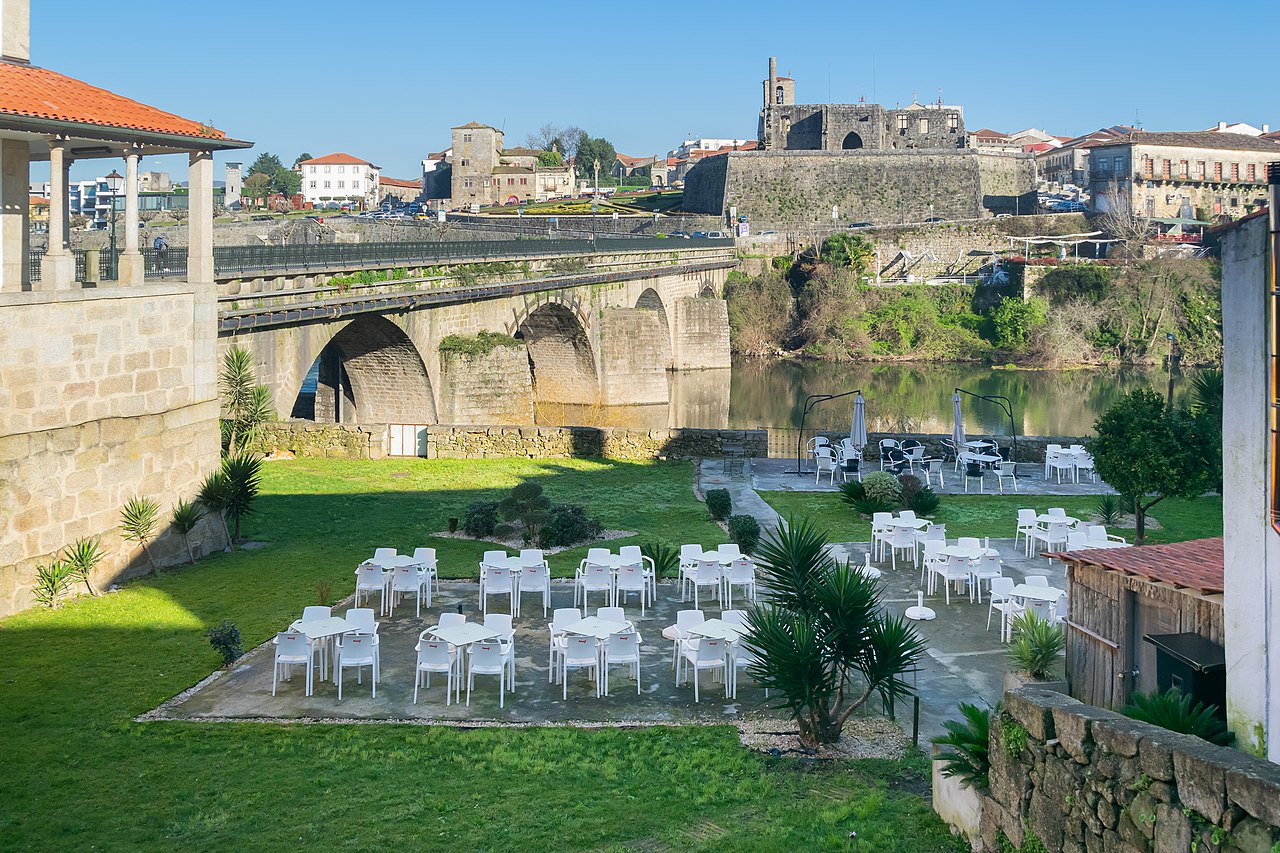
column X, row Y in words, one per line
column 917, row 397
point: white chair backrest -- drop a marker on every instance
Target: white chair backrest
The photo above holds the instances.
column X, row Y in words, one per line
column 690, row 553
column 1053, row 447
column 356, row 648
column 369, row 574
column 623, row 644
column 630, row 552
column 1076, row 447
column 316, row 611
column 1001, row 587
column 404, row 579
column 611, row 614
column 907, row 515
column 824, row 455
column 931, row 547
column 708, row 571
column 880, row 520
column 531, row 557
column 969, row 542
column 729, row 549
column 497, row 579
column 686, row 619
column 449, row 620
column 493, row 558
column 579, row 649
column 594, row 554
column 632, row 577
column 936, row 532
column 1077, row 539
column 1097, row 533
column 1037, row 580
column 594, row 575
column 425, row 556
column 957, row 565
column 903, row 536
column 486, row 655
column 1058, row 531
column 534, row 577
column 1057, row 512
column 500, row 622
column 741, row 571
column 734, row 617
column 291, row 644
column 1026, row 517
column 565, row 616
column 433, row 652
column 1060, row 607
column 935, row 466
column 886, row 443
column 383, row 553
column 989, row 564
column 362, row 619
column 710, row 649
column 1007, row 468
column 1042, row 609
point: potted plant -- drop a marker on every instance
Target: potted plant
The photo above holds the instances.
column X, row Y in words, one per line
column 1033, row 657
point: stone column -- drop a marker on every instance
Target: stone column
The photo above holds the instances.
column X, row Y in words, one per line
column 14, row 221
column 132, row 265
column 200, row 219
column 58, row 267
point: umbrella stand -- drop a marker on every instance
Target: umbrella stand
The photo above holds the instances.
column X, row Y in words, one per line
column 1006, row 406
column 809, row 402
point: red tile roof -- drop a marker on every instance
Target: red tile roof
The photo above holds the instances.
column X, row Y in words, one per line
column 38, row 201
column 1197, row 564
column 26, row 90
column 336, row 159
column 383, row 180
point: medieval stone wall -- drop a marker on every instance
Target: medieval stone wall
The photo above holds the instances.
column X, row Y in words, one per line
column 1091, row 780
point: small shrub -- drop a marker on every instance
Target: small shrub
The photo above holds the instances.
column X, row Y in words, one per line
column 243, row 475
column 324, row 593
column 186, row 515
column 883, row 486
column 869, row 506
column 1036, row 646
column 82, row 557
column 719, row 504
column 51, row 583
column 225, row 639
column 745, row 531
column 1109, row 510
column 925, row 502
column 138, row 523
column 1013, row 735
column 1173, row 710
column 529, row 506
column 852, row 492
column 965, row 752
column 666, row 559
column 568, row 525
column 910, row 485
column 481, row 519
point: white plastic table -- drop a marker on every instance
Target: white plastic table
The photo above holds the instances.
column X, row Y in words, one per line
column 978, row 443
column 594, row 626
column 464, row 634
column 915, row 523
column 718, row 629
column 323, row 629
column 966, row 553
column 1057, row 519
column 723, row 559
column 1037, row 593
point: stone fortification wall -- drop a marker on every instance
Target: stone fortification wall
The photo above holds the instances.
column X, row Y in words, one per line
column 1090, row 779
column 104, row 395
column 777, row 188
column 368, row 441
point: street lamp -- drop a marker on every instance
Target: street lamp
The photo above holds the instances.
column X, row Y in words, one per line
column 115, row 181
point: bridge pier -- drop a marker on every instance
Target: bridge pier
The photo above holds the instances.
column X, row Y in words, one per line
column 486, row 388
column 635, row 355
column 700, row 333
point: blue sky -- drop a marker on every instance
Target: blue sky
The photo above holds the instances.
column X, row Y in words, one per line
column 648, row 75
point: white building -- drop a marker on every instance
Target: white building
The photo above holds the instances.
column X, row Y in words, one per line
column 335, row 179
column 1251, row 492
column 706, row 144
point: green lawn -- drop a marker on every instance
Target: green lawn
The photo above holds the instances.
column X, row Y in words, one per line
column 994, row 515
column 80, row 774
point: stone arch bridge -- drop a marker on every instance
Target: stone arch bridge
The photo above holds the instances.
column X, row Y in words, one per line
column 412, row 350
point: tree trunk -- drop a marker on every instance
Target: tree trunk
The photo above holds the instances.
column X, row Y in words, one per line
column 191, row 558
column 150, row 562
column 1139, row 522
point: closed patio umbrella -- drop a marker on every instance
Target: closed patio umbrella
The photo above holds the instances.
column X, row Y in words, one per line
column 957, row 431
column 858, row 427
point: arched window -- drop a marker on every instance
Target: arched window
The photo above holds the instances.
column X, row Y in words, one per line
column 852, row 141
column 778, row 95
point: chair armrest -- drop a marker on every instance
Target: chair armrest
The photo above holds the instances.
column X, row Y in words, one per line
column 1112, row 537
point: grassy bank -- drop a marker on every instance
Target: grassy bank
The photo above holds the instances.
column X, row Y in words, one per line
column 80, row 774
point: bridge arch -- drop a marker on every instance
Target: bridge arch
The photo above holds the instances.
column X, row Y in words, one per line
column 560, row 355
column 370, row 372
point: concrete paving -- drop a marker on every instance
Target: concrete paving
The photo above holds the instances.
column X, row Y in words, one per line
column 780, row 475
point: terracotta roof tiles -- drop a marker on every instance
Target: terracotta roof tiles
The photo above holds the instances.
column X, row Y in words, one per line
column 383, row 180
column 1197, row 564
column 336, row 159
column 26, row 90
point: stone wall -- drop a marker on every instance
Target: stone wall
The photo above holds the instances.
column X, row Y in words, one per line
column 777, row 188
column 1093, row 780
column 491, row 388
column 104, row 394
column 368, row 441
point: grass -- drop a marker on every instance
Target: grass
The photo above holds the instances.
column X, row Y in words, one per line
column 993, row 515
column 81, row 774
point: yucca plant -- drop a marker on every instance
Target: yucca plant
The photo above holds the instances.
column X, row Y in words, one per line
column 186, row 515
column 965, row 753
column 1173, row 710
column 852, row 491
column 1109, row 509
column 214, row 493
column 82, row 557
column 1037, row 644
column 138, row 524
column 243, row 473
column 1207, row 393
column 246, row 403
column 666, row 559
column 51, row 583
column 822, row 640
column 925, row 501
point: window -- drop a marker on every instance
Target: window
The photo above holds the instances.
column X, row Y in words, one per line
column 355, row 185
column 902, row 125
column 1235, row 171
column 1183, row 166
column 778, row 95
column 341, row 169
column 311, row 169
column 1118, row 165
column 466, row 137
column 1166, row 169
column 953, row 123
column 1252, row 172
column 466, row 182
column 1200, row 169
column 313, row 185
column 326, row 169
column 465, row 161
column 511, row 182
column 326, row 185
column 524, row 182
column 1235, row 201
column 1217, row 171
column 342, row 184
column 922, row 126
column 1148, row 167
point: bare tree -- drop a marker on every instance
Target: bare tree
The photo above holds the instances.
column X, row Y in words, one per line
column 543, row 137
column 1119, row 219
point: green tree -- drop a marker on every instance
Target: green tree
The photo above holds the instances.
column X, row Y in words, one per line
column 286, row 182
column 1149, row 453
column 186, row 516
column 246, row 403
column 1013, row 321
column 550, row 158
column 848, row 250
column 527, row 504
column 256, row 186
column 266, row 164
column 823, row 640
column 592, row 150
column 303, row 157
column 242, row 474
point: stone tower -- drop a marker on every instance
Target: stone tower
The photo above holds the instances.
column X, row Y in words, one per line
column 778, row 92
column 234, row 184
column 476, row 152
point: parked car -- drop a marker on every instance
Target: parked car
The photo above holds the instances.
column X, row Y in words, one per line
column 935, row 219
column 860, row 225
column 699, row 235
column 716, row 235
column 681, row 234
column 1069, row 207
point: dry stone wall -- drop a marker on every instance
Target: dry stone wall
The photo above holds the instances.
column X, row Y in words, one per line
column 1093, row 781
column 493, row 387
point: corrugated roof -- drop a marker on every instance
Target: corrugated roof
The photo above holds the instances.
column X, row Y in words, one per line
column 1197, row 564
column 26, row 90
column 336, row 159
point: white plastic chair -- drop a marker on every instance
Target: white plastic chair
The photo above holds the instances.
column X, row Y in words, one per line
column 1060, row 609
column 729, row 551
column 1059, row 462
column 1098, row 537
column 488, row 658
column 708, row 573
column 362, row 619
column 1006, row 471
column 1026, row 526
column 292, row 648
column 933, row 468
column 881, row 532
column 907, row 515
column 498, row 581
column 1050, row 450
column 885, row 445
column 381, row 555
column 741, row 572
column 632, row 554
column 560, row 617
column 532, row 557
column 369, row 579
column 1077, row 540
column 425, row 559
column 1084, row 463
column 703, row 653
column 491, row 559
column 579, row 653
column 592, row 577
column 932, row 533
column 631, row 578
column 740, row 657
column 998, row 599
column 689, row 557
column 358, row 650
column 449, row 620
column 1057, row 512
column 972, row 542
column 904, row 539
column 597, row 555
column 985, row 568
column 501, row 624
column 954, row 570
column 622, row 648
column 1044, row 610
column 613, row 614
column 405, row 580
column 435, row 656
column 929, row 556
column 824, row 462
column 1036, row 580
column 734, row 617
column 1055, row 533
column 686, row 620
column 536, row 579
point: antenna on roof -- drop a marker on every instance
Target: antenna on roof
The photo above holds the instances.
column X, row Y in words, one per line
column 1137, row 122
column 939, row 96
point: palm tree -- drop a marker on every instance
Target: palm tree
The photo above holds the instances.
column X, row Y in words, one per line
column 82, row 557
column 1207, row 393
column 822, row 640
column 186, row 515
column 214, row 493
column 242, row 474
column 247, row 404
column 138, row 523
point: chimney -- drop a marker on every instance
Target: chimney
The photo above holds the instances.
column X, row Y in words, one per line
column 1266, row 128
column 15, row 30
column 1222, row 125
column 773, row 81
